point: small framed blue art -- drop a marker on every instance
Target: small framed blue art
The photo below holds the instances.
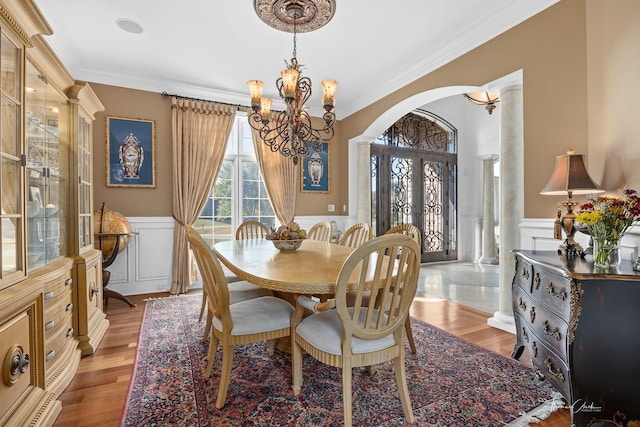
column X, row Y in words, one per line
column 131, row 152
column 316, row 175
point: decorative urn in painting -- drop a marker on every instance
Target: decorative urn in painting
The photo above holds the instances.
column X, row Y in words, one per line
column 131, row 156
column 108, row 225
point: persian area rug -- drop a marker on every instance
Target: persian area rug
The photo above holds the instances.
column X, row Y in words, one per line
column 451, row 382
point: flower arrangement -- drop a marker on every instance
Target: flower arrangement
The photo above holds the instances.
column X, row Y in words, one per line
column 608, row 219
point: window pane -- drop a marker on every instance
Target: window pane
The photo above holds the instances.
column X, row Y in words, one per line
column 246, row 139
column 239, row 193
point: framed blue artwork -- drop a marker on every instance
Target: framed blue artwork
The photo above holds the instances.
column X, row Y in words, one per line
column 316, row 175
column 131, row 152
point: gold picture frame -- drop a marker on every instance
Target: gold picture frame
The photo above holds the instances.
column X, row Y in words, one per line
column 131, row 152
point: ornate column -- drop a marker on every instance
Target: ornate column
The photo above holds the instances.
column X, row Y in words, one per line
column 511, row 196
column 489, row 253
column 363, row 194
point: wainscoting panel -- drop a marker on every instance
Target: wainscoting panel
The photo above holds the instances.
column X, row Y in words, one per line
column 537, row 234
column 144, row 266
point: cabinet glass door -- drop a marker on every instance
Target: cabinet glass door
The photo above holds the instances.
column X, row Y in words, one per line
column 11, row 209
column 46, row 163
column 85, row 231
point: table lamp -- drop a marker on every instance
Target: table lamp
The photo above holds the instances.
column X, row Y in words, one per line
column 569, row 177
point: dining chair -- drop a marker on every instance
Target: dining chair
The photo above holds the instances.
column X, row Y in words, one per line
column 413, row 232
column 356, row 235
column 347, row 336
column 251, row 230
column 321, row 231
column 239, row 290
column 246, row 230
column 264, row 318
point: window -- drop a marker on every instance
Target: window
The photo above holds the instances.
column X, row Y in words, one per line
column 238, row 194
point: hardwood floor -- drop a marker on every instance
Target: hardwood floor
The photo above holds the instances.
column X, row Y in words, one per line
column 97, row 394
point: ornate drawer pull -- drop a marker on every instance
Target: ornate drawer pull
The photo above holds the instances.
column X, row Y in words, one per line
column 525, row 272
column 94, row 291
column 69, row 332
column 522, row 304
column 16, row 363
column 525, row 335
column 536, row 280
column 49, row 325
column 532, row 314
column 19, row 364
column 538, row 372
column 562, row 294
column 534, row 347
column 48, row 296
column 555, row 333
column 68, row 282
column 69, row 307
column 50, row 356
column 558, row 373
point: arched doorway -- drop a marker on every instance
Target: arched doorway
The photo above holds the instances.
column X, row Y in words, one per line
column 414, row 181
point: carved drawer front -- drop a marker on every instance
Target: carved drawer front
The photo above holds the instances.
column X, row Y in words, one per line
column 57, row 292
column 524, row 274
column 548, row 364
column 542, row 323
column 58, row 343
column 17, row 356
column 555, row 293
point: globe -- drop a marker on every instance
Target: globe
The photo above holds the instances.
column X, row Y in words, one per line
column 107, row 221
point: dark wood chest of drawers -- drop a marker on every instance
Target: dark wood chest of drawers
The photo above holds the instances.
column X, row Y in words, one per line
column 581, row 330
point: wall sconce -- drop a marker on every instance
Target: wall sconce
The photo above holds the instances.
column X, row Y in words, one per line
column 569, row 177
column 488, row 99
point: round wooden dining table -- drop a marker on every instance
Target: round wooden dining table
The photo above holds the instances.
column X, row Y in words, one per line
column 311, row 269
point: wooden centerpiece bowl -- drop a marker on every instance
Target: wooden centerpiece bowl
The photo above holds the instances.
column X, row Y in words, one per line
column 287, row 245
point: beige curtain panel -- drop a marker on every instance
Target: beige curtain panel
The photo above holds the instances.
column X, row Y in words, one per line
column 200, row 131
column 281, row 178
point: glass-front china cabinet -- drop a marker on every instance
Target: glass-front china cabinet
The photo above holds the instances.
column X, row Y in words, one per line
column 51, row 275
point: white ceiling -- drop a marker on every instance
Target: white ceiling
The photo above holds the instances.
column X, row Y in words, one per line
column 210, row 48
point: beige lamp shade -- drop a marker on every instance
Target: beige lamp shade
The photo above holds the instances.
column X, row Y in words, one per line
column 570, row 176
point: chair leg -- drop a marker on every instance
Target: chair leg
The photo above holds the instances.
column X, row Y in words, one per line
column 203, row 306
column 207, row 326
column 407, row 327
column 225, row 374
column 271, row 346
column 296, row 366
column 403, row 390
column 346, row 394
column 211, row 355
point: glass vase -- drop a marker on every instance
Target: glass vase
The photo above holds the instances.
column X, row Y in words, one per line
column 606, row 254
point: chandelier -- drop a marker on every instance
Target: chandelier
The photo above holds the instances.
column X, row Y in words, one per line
column 291, row 132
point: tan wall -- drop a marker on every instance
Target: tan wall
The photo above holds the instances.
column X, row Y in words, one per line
column 550, row 49
column 136, row 104
column 613, row 42
column 129, row 103
column 579, row 60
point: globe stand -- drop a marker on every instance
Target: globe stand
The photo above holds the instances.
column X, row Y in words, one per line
column 106, row 262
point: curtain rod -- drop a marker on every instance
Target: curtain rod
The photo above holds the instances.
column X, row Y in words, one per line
column 167, row 95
